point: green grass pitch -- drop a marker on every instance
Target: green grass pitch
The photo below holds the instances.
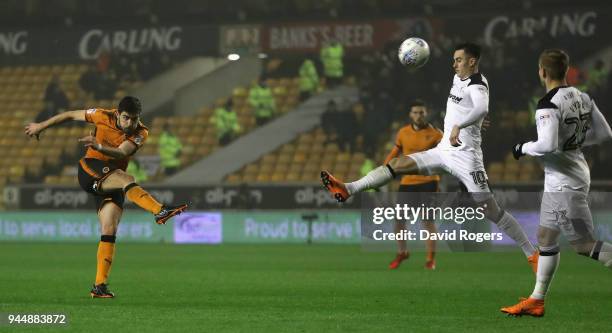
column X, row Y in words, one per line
column 295, row 288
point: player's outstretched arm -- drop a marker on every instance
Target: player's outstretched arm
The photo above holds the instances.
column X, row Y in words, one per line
column 392, row 154
column 125, row 149
column 548, row 139
column 34, row 129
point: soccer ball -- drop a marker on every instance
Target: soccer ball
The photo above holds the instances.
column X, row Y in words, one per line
column 414, row 52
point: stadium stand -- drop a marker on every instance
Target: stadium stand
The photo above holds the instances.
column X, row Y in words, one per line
column 23, row 89
column 302, row 159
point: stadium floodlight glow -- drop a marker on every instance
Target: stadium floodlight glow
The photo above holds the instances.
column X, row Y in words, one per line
column 233, row 56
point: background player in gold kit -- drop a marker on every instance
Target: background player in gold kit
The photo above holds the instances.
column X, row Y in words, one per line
column 417, row 136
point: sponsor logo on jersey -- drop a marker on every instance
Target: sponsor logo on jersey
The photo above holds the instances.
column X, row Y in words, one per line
column 455, row 99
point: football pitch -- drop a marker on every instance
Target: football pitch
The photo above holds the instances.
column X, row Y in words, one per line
column 294, row 288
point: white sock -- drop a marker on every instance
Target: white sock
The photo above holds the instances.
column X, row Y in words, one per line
column 374, row 179
column 547, row 265
column 512, row 228
column 602, row 251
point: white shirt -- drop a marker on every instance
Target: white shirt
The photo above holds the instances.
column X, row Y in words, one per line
column 466, row 107
column 567, row 120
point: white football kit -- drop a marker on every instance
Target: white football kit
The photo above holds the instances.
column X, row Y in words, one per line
column 466, row 107
column 566, row 120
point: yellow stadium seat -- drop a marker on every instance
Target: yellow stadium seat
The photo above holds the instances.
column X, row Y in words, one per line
column 234, row 178
column 284, row 158
column 299, row 158
column 251, row 168
column 249, row 178
column 496, row 167
column 281, row 167
column 269, row 158
column 266, row 168
column 293, row 177
column 262, row 178
column 309, row 177
column 277, row 177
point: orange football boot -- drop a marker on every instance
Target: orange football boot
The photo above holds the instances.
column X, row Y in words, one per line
column 527, row 306
column 398, row 260
column 334, row 186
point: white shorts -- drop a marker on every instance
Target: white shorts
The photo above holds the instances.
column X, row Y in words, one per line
column 567, row 211
column 467, row 166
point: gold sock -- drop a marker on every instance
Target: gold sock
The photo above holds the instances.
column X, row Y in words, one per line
column 142, row 198
column 106, row 252
column 431, row 249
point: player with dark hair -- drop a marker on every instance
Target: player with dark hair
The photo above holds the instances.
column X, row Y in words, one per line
column 567, row 120
column 458, row 153
column 118, row 135
column 419, row 135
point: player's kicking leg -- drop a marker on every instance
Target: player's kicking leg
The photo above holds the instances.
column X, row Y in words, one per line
column 468, row 167
column 376, row 178
column 509, row 226
column 120, row 180
column 432, row 160
column 109, row 216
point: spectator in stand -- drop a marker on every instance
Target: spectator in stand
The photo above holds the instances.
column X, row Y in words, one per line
column 329, row 120
column 596, row 77
column 107, row 87
column 103, row 62
column 333, row 67
column 226, row 123
column 376, row 117
column 262, row 102
column 309, row 79
column 121, row 67
column 347, row 127
column 574, row 77
column 47, row 112
column 170, row 148
column 56, row 95
column 140, row 174
column 90, row 80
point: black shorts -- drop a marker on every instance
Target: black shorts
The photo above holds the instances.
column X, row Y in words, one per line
column 424, row 193
column 91, row 174
column 424, row 187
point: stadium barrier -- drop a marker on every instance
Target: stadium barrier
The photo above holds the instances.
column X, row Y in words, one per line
column 192, row 227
